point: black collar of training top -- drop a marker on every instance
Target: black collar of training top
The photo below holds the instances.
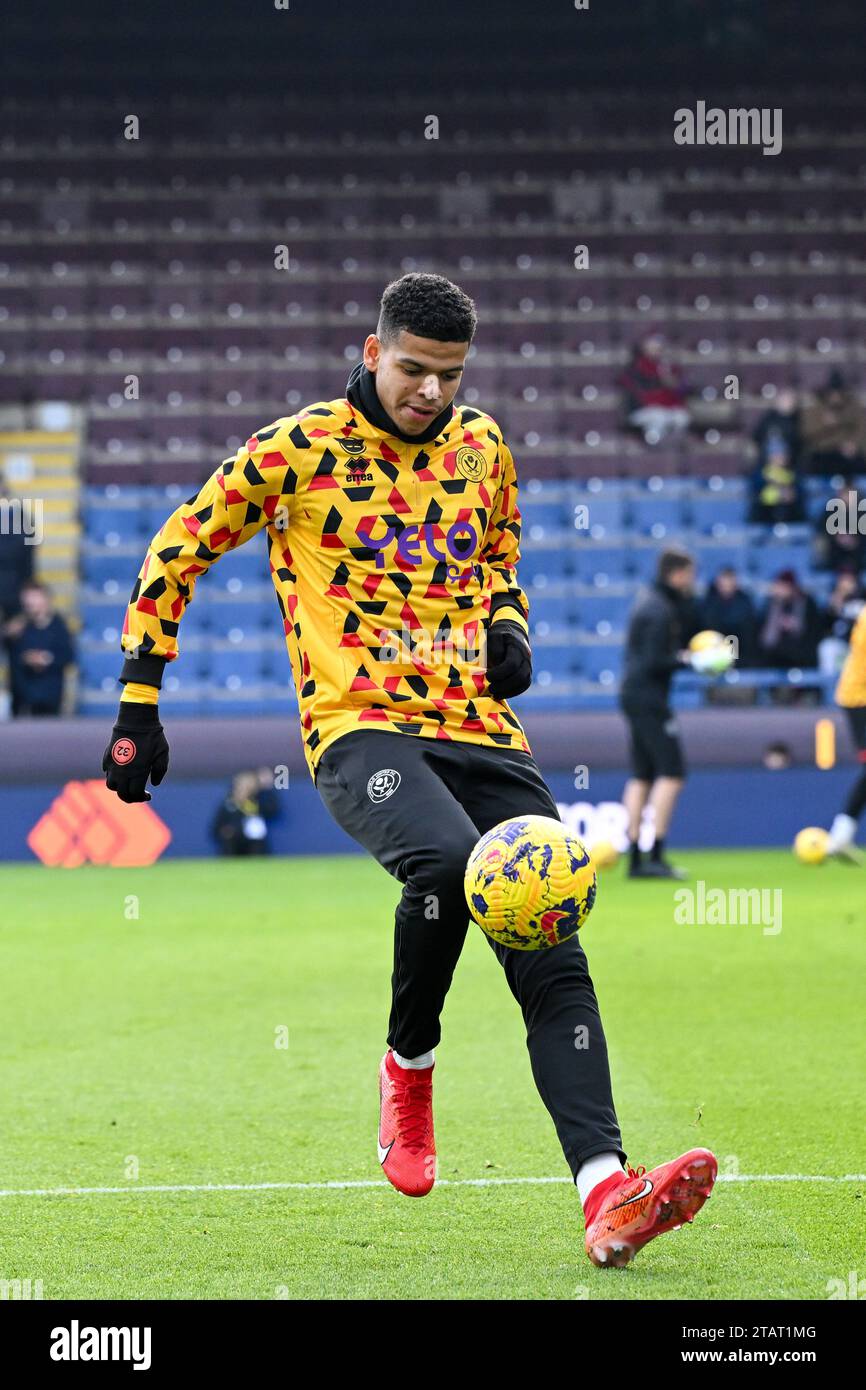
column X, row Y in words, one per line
column 361, row 393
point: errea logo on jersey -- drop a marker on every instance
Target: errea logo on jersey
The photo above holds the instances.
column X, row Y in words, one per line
column 383, row 784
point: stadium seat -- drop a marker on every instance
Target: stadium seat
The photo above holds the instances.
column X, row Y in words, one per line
column 219, row 614
column 601, row 663
column 609, row 610
column 540, row 566
column 550, row 612
column 658, row 516
column 604, row 512
column 816, row 506
column 115, row 567
column 554, row 662
column 238, row 666
column 588, row 695
column 100, row 667
column 248, row 701
column 710, row 557
column 244, row 569
column 644, row 559
column 596, row 564
column 186, row 679
column 716, row 514
column 770, row 559
column 543, row 520
column 99, row 617
column 111, row 525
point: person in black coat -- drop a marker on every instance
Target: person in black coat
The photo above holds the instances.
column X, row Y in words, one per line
column 840, row 544
column 728, row 609
column 16, row 558
column 662, row 623
column 789, row 626
column 240, row 826
column 837, row 619
column 40, row 648
column 776, row 487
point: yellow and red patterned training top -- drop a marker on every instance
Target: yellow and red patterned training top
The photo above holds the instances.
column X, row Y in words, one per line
column 389, row 560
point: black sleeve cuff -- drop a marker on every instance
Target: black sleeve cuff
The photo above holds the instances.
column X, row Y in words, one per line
column 132, row 716
column 505, row 599
column 143, row 670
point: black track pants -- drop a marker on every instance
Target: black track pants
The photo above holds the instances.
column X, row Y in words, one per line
column 419, row 806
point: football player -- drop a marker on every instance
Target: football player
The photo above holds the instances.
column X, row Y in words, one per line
column 393, row 532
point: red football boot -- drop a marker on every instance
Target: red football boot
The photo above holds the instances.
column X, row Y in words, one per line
column 407, row 1149
column 626, row 1210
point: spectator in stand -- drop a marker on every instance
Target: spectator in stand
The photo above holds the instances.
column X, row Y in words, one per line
column 654, row 391
column 789, row 626
column 840, row 544
column 16, row 558
column 837, row 620
column 40, row 648
column 834, row 430
column 776, row 492
column 777, row 757
column 240, row 824
column 269, row 802
column 728, row 609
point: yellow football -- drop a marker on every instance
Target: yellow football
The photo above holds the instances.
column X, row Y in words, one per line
column 604, row 855
column 811, row 845
column 711, row 653
column 530, row 884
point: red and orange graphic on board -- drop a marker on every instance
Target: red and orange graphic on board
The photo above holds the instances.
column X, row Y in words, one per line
column 86, row 824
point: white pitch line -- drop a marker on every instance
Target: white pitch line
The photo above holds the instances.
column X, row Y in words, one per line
column 377, row 1182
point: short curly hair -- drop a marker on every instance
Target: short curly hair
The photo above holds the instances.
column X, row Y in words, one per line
column 429, row 306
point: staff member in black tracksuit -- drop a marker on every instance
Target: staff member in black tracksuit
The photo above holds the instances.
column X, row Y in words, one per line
column 661, row 624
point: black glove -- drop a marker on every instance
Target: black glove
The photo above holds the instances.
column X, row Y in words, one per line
column 137, row 750
column 509, row 660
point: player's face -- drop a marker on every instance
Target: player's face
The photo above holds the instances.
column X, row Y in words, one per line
column 416, row 378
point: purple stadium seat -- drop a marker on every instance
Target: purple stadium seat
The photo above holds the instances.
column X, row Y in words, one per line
column 16, row 302
column 588, row 335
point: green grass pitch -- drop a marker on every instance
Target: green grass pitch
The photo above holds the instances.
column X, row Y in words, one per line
column 140, row 1051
